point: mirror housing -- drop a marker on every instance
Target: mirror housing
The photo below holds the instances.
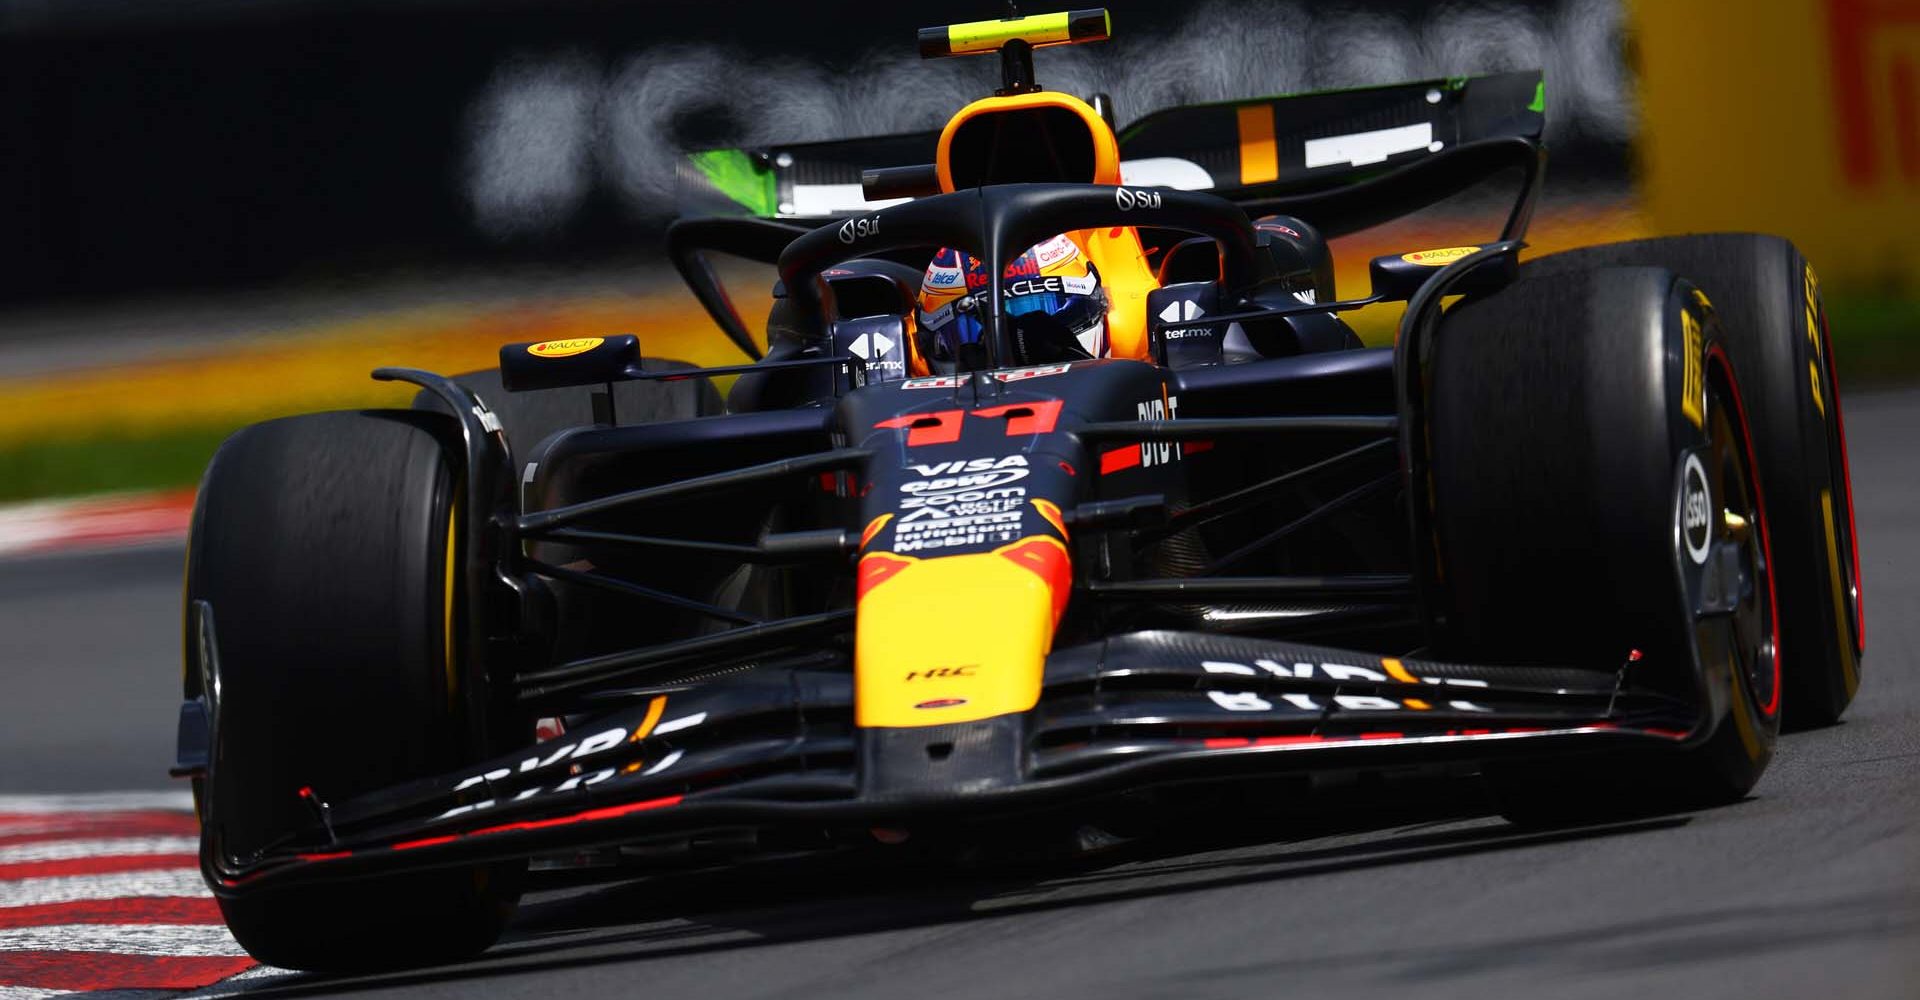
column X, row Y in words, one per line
column 1397, row 276
column 888, row 183
column 551, row 364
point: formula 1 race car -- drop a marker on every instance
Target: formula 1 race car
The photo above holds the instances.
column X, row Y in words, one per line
column 947, row 556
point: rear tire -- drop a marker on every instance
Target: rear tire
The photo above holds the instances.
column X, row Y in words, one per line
column 326, row 546
column 1775, row 329
column 1561, row 435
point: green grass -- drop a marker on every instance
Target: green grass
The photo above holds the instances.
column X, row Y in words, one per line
column 1876, row 342
column 171, row 458
column 1876, row 338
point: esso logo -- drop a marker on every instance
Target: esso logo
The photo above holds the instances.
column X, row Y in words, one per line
column 1696, row 510
column 1128, row 199
column 855, row 229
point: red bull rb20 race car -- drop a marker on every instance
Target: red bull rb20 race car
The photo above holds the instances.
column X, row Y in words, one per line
column 1061, row 485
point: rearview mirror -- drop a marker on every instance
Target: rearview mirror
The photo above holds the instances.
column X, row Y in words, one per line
column 1397, row 276
column 550, row 364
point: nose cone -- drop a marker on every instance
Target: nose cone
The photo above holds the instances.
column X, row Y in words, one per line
column 956, row 638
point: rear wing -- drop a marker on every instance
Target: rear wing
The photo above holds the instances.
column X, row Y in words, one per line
column 1342, row 160
column 1260, row 148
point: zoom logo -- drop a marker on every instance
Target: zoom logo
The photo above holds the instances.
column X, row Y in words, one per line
column 854, row 229
column 1129, row 200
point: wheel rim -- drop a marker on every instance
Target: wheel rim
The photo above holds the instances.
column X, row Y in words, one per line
column 1741, row 525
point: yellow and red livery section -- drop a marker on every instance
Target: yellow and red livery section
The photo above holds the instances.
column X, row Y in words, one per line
column 956, row 638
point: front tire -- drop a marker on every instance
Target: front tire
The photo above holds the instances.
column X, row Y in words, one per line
column 326, row 550
column 1569, row 414
column 1774, row 326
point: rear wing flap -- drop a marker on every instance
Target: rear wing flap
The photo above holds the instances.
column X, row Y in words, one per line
column 1258, row 148
column 1342, row 160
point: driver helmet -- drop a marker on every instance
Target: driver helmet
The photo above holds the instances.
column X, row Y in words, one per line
column 1055, row 309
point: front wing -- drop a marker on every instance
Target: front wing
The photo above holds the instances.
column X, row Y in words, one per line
column 778, row 746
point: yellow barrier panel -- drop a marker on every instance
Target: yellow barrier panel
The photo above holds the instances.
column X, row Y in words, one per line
column 1797, row 117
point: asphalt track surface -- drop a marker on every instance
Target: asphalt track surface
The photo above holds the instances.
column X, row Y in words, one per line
column 1809, row 888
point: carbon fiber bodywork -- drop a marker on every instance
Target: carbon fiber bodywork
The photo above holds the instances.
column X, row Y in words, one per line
column 754, row 725
column 1226, row 570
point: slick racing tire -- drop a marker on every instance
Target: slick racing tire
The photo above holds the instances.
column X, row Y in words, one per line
column 1775, row 329
column 325, row 551
column 530, row 417
column 1595, row 504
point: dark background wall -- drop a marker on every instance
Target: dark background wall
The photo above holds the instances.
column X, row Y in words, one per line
column 222, row 143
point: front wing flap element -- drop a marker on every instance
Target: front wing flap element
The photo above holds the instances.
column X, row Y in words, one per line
column 1166, row 693
column 777, row 747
